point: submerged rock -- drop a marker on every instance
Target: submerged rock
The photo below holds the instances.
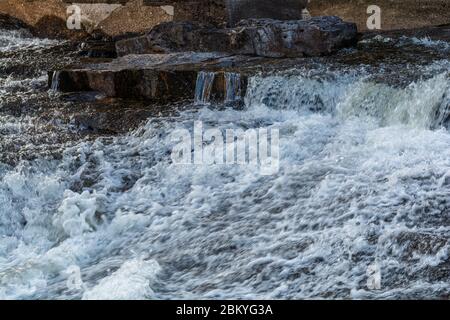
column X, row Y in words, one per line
column 258, row 37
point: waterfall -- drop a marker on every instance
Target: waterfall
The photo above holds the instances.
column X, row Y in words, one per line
column 203, row 87
column 55, row 81
column 421, row 104
column 361, row 194
column 233, row 87
column 443, row 112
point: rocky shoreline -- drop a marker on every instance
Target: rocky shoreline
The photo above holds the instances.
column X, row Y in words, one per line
column 159, row 71
column 164, row 65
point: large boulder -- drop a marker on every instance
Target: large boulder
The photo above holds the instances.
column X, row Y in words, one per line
column 294, row 38
column 258, row 37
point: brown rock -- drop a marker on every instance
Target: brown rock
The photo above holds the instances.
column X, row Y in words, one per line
column 221, row 12
column 157, row 78
column 133, row 17
column 270, row 9
column 48, row 17
column 54, row 27
column 394, row 14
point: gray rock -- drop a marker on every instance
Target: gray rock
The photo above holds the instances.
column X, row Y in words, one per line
column 257, row 37
column 294, row 38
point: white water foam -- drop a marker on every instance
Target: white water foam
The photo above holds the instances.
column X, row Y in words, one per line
column 130, row 282
column 364, row 179
column 12, row 40
column 402, row 41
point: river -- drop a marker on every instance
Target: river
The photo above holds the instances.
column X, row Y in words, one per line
column 362, row 190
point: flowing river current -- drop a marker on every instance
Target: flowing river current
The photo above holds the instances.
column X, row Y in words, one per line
column 362, row 190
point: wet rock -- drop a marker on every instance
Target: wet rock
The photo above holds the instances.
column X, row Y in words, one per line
column 98, row 49
column 109, row 121
column 258, row 37
column 384, row 60
column 416, row 244
column 315, row 37
column 159, row 78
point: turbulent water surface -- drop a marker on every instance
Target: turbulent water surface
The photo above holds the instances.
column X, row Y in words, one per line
column 363, row 188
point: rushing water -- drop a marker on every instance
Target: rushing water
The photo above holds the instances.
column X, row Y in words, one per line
column 204, row 85
column 363, row 186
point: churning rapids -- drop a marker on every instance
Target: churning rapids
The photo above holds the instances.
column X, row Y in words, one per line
column 363, row 186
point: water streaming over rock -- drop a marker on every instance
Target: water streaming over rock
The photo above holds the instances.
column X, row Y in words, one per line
column 233, row 90
column 363, row 185
column 203, row 88
column 55, row 81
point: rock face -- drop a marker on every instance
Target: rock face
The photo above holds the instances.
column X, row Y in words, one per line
column 172, row 77
column 258, row 37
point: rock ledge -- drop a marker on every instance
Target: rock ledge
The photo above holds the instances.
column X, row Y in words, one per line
column 258, row 37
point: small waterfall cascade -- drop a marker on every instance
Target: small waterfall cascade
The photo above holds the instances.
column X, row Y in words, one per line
column 55, row 81
column 442, row 117
column 204, row 87
column 233, row 90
